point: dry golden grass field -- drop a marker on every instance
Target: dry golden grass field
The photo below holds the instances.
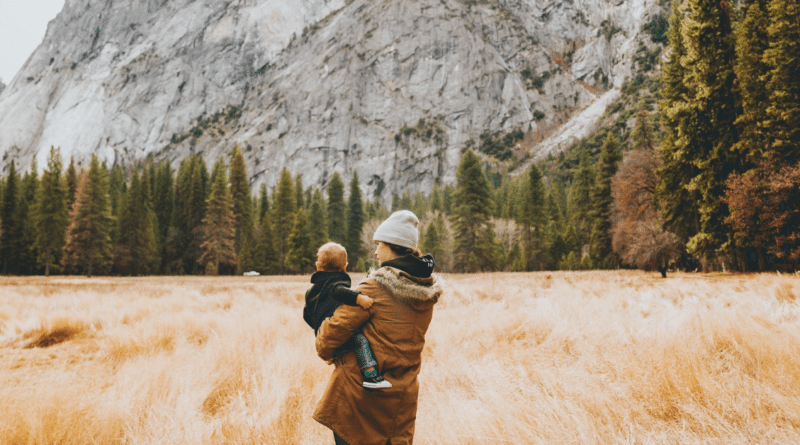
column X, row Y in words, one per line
column 541, row 358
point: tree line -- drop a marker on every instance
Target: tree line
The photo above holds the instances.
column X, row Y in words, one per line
column 154, row 220
column 158, row 221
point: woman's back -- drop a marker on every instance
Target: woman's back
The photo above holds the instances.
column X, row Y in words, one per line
column 399, row 319
column 395, row 327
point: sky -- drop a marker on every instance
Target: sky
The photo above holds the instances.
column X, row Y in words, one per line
column 22, row 27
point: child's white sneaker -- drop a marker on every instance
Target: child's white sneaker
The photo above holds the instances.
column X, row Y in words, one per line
column 376, row 382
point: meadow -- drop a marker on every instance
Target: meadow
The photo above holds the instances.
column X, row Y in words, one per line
column 538, row 358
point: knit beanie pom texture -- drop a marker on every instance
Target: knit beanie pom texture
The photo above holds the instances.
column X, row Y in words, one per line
column 399, row 229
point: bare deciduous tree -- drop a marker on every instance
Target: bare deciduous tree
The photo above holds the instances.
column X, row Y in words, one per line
column 638, row 234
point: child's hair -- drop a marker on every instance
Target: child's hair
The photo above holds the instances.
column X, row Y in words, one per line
column 403, row 251
column 332, row 257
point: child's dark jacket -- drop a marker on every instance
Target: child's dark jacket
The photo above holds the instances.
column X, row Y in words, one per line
column 330, row 290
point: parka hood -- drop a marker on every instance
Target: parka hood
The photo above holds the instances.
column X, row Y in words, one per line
column 413, row 265
column 417, row 292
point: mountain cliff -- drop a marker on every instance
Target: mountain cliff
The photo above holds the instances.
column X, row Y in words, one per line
column 393, row 89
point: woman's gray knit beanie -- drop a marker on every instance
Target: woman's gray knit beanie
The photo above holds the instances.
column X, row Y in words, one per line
column 399, row 229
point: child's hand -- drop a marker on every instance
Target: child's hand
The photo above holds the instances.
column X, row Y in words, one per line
column 364, row 301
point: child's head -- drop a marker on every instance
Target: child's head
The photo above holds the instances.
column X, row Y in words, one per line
column 331, row 257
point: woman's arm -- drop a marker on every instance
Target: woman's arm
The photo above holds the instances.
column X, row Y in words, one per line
column 336, row 330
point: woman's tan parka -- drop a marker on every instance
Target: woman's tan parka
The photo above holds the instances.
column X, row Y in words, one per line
column 395, row 326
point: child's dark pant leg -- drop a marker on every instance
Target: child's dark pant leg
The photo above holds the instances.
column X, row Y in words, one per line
column 364, row 353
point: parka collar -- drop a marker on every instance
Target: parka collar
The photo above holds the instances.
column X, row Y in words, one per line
column 418, row 292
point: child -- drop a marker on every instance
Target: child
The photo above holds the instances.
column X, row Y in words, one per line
column 331, row 289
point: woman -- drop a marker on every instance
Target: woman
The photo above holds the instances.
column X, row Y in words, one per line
column 404, row 292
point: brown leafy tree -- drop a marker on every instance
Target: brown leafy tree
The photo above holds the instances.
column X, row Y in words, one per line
column 765, row 212
column 638, row 234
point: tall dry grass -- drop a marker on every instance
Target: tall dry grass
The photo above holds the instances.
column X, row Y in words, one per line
column 584, row 358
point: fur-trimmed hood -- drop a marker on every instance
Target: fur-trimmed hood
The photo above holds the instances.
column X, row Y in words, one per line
column 414, row 291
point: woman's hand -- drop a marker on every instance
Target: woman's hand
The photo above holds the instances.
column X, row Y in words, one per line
column 364, row 301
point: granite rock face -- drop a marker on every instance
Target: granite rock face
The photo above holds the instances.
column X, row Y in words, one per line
column 391, row 89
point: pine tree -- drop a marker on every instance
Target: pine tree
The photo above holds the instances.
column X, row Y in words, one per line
column 27, row 242
column 710, row 56
column 572, row 241
column 300, row 257
column 559, row 194
column 51, row 212
column 360, row 267
column 448, row 193
column 298, row 190
column 500, row 197
column 432, row 242
column 677, row 203
column 473, row 229
column 337, row 222
column 554, row 242
column 355, row 221
column 534, row 218
column 510, row 205
column 317, row 221
column 554, row 210
column 285, row 210
column 370, row 210
column 750, row 69
column 436, row 198
column 420, row 206
column 642, row 133
column 406, row 203
column 581, row 205
column 163, row 194
column 219, row 224
column 88, row 246
column 219, row 169
column 610, row 157
column 242, row 203
column 783, row 85
column 117, row 190
column 570, row 262
column 263, row 201
column 444, row 262
column 151, row 173
column 10, row 226
column 558, row 250
column 137, row 251
column 178, row 232
column 72, row 181
column 265, row 258
column 186, row 232
column 245, row 260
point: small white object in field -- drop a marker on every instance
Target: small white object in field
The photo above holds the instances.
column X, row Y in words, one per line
column 252, row 273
